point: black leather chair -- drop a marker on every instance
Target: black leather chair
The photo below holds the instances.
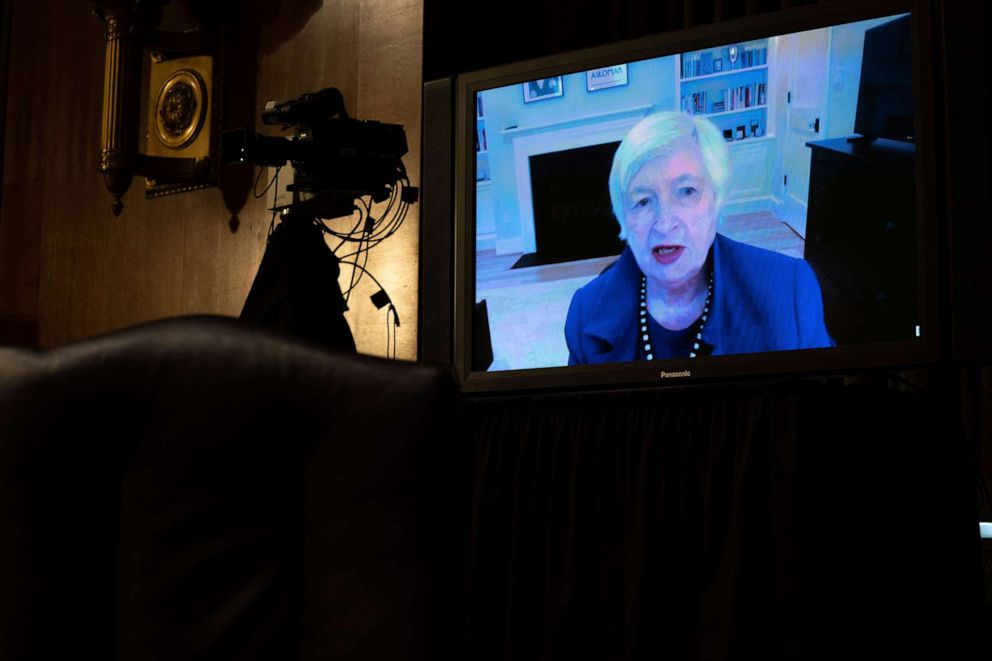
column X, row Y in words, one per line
column 195, row 489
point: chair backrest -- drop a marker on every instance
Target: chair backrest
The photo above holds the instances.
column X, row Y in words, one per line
column 192, row 488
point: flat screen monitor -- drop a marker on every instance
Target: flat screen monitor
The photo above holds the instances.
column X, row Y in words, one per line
column 885, row 93
column 697, row 205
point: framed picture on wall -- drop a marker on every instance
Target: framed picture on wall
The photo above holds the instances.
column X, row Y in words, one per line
column 543, row 88
column 600, row 79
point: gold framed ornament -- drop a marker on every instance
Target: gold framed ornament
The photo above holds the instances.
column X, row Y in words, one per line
column 183, row 116
column 180, row 109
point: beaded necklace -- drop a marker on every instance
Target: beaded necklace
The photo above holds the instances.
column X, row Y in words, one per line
column 643, row 318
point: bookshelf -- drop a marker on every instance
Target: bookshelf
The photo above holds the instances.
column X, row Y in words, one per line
column 485, row 222
column 729, row 85
column 483, row 175
column 732, row 86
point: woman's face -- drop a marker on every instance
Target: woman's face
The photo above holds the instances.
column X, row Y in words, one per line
column 671, row 217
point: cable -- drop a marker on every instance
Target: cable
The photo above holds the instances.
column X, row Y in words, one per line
column 396, row 324
column 344, row 236
column 368, row 231
column 366, row 272
column 258, row 177
column 275, row 194
column 348, row 236
column 382, row 227
column 361, row 218
column 372, row 240
column 396, row 223
column 371, row 236
column 272, row 224
column 364, row 264
column 393, row 198
column 351, row 282
column 254, row 186
column 391, row 225
column 357, row 254
column 387, row 331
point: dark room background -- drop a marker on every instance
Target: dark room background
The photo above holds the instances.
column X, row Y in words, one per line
column 562, row 495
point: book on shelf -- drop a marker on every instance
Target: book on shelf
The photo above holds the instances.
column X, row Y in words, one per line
column 700, row 63
column 696, row 64
column 479, row 113
column 749, row 56
column 480, row 139
column 744, row 96
column 694, row 104
column 705, row 63
column 688, row 64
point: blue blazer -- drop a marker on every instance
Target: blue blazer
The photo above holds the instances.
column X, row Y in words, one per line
column 762, row 301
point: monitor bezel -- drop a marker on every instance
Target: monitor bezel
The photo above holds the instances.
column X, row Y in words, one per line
column 841, row 359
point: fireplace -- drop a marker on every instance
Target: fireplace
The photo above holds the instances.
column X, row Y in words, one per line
column 545, row 139
column 573, row 217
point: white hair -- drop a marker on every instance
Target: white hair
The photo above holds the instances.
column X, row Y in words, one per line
column 661, row 134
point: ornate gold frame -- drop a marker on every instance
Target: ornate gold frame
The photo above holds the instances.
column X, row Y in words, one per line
column 183, row 119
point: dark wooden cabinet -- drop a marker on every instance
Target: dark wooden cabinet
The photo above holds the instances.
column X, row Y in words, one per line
column 861, row 234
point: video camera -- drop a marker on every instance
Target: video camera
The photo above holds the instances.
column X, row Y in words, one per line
column 335, row 158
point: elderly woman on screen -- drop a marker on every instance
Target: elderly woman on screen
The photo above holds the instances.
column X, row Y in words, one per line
column 680, row 289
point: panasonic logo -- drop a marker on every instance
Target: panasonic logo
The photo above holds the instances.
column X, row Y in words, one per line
column 674, row 375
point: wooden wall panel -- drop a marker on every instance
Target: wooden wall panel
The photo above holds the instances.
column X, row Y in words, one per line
column 67, row 261
column 23, row 176
column 390, row 90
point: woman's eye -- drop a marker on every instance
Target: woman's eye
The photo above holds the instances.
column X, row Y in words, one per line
column 687, row 195
column 641, row 202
